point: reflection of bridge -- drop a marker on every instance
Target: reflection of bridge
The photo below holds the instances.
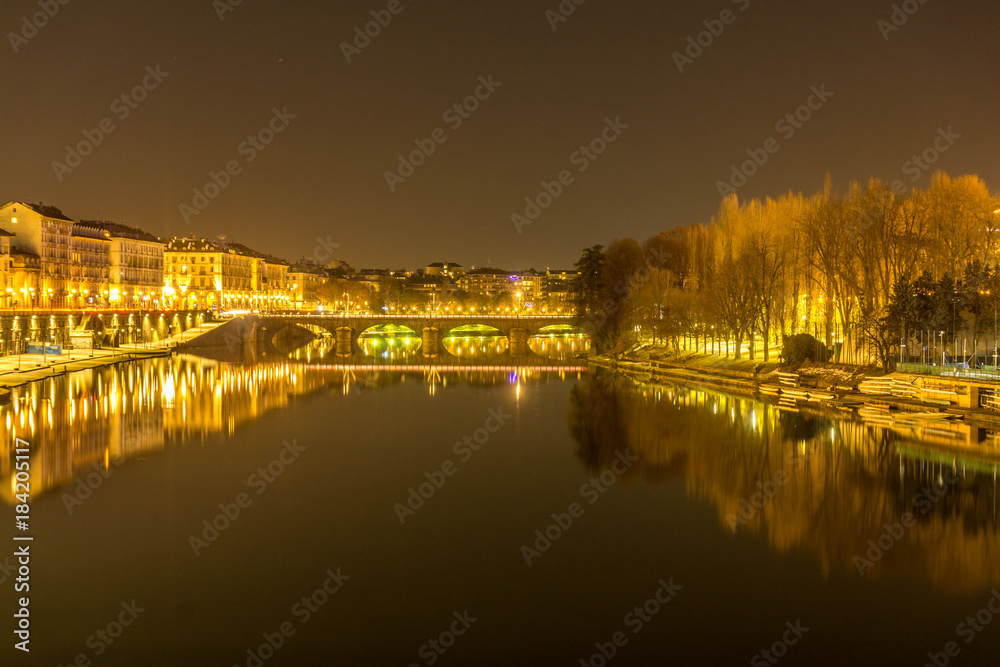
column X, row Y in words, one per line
column 448, row 368
column 431, row 327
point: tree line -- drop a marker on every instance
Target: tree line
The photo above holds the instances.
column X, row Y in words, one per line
column 873, row 272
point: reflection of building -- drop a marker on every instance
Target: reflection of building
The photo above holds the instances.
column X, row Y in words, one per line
column 46, row 232
column 82, row 426
column 88, row 423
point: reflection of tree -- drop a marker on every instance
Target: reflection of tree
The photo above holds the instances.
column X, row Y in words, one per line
column 596, row 420
column 843, row 480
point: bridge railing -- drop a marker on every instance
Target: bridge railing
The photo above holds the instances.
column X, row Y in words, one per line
column 417, row 316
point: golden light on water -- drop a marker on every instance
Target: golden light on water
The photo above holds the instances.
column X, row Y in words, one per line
column 141, row 407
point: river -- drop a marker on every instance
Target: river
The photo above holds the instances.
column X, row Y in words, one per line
column 299, row 511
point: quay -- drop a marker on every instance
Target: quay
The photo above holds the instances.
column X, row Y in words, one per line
column 956, row 415
column 18, row 370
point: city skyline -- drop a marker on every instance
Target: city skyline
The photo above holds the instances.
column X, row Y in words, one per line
column 322, row 253
column 302, row 133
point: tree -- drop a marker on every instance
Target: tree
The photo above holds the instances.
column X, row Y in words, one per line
column 878, row 263
column 337, row 293
column 763, row 264
column 903, row 309
column 587, row 284
column 800, row 347
column 978, row 299
column 622, row 274
column 959, row 211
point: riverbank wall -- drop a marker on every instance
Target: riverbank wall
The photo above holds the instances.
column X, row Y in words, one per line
column 845, row 388
column 19, row 370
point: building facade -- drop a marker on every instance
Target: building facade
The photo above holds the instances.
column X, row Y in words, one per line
column 48, row 260
column 445, row 270
column 488, row 282
column 46, row 232
column 6, row 270
column 135, row 263
column 560, row 288
column 214, row 275
column 527, row 290
column 206, row 274
column 304, row 279
column 90, row 268
column 277, row 295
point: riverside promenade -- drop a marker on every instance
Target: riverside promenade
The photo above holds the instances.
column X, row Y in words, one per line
column 18, row 370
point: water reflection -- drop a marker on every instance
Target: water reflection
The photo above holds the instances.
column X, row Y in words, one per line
column 826, row 486
column 483, row 347
column 390, row 346
column 96, row 419
column 314, row 350
column 560, row 342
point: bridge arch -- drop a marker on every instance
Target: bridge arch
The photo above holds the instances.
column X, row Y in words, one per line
column 347, row 328
column 560, row 342
column 463, row 341
column 389, row 341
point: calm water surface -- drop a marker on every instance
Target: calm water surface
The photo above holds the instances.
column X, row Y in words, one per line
column 650, row 483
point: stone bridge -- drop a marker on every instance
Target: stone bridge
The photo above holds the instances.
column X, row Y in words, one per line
column 430, row 327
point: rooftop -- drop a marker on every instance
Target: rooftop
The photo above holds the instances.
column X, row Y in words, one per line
column 487, row 272
column 192, row 245
column 117, row 230
column 44, row 210
column 307, row 268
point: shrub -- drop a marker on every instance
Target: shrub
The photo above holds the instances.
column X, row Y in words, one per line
column 800, row 347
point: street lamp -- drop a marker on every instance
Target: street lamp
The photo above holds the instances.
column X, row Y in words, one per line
column 954, row 329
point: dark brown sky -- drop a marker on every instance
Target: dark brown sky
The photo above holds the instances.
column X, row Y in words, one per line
column 323, row 175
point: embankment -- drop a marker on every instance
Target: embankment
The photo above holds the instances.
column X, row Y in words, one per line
column 819, row 386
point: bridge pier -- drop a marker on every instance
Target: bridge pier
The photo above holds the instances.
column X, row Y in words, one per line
column 430, row 341
column 518, row 342
column 345, row 341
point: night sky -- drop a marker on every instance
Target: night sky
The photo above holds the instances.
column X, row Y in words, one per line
column 323, row 175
